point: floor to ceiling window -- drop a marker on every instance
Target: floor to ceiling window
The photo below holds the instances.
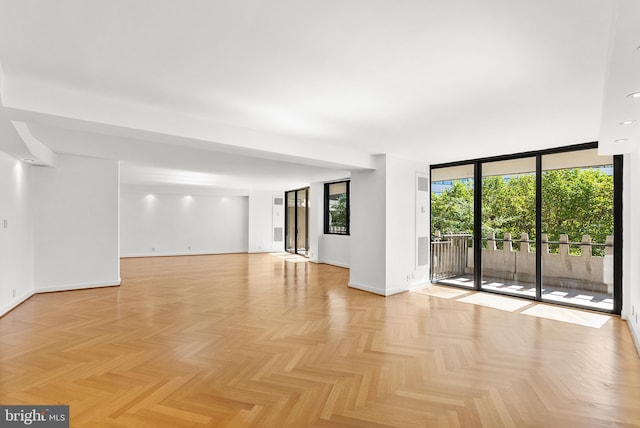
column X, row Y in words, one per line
column 509, row 226
column 578, row 228
column 297, row 221
column 452, row 207
column 542, row 225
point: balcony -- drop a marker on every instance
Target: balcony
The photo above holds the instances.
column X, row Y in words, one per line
column 577, row 273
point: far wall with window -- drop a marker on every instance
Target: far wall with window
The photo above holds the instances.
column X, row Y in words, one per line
column 330, row 248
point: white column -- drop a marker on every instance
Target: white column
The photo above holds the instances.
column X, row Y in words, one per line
column 383, row 230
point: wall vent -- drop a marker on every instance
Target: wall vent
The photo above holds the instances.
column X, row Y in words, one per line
column 278, row 234
column 278, row 201
column 423, row 250
column 423, row 184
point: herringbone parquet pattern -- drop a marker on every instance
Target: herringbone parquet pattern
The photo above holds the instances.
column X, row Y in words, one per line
column 253, row 340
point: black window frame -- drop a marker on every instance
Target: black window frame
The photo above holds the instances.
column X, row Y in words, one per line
column 538, row 154
column 327, row 186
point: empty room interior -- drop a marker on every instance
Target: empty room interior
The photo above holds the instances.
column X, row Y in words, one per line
column 292, row 213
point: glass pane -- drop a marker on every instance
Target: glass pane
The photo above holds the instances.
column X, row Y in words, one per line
column 577, row 229
column 509, row 226
column 452, row 225
column 291, row 222
column 337, row 209
column 301, row 203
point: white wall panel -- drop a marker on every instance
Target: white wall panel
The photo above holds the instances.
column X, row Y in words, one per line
column 16, row 233
column 76, row 224
column 162, row 224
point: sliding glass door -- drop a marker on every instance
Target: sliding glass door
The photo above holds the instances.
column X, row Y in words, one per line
column 543, row 225
column 452, row 207
column 578, row 229
column 509, row 226
column 302, row 222
column 297, row 221
column 290, row 222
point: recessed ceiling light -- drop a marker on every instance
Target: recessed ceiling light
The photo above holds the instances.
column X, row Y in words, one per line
column 620, row 140
column 29, row 160
column 627, row 122
column 634, row 95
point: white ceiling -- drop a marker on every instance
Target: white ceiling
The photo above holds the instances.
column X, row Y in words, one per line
column 275, row 94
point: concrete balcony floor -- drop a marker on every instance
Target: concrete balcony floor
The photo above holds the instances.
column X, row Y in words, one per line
column 573, row 296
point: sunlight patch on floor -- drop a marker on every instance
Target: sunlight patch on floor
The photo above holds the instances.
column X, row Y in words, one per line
column 572, row 316
column 442, row 292
column 526, row 307
column 497, row 302
column 294, row 258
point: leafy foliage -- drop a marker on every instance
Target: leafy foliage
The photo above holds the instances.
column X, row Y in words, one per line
column 575, row 202
column 452, row 210
column 339, row 212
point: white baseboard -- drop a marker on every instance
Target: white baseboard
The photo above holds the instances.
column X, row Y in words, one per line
column 418, row 285
column 377, row 291
column 69, row 287
column 635, row 335
column 334, row 263
column 15, row 303
column 366, row 288
column 397, row 291
column 190, row 253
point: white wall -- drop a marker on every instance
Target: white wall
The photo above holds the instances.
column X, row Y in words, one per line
column 401, row 225
column 368, row 229
column 262, row 221
column 383, row 227
column 16, row 240
column 334, row 250
column 330, row 249
column 316, row 220
column 163, row 224
column 631, row 243
column 75, row 209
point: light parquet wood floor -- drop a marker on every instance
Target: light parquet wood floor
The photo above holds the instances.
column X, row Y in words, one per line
column 254, row 340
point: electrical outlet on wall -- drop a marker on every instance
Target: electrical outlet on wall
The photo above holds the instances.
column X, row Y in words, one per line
column 153, row 249
column 14, row 292
column 6, row 223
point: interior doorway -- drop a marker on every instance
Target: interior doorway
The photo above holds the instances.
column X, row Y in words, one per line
column 297, row 222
